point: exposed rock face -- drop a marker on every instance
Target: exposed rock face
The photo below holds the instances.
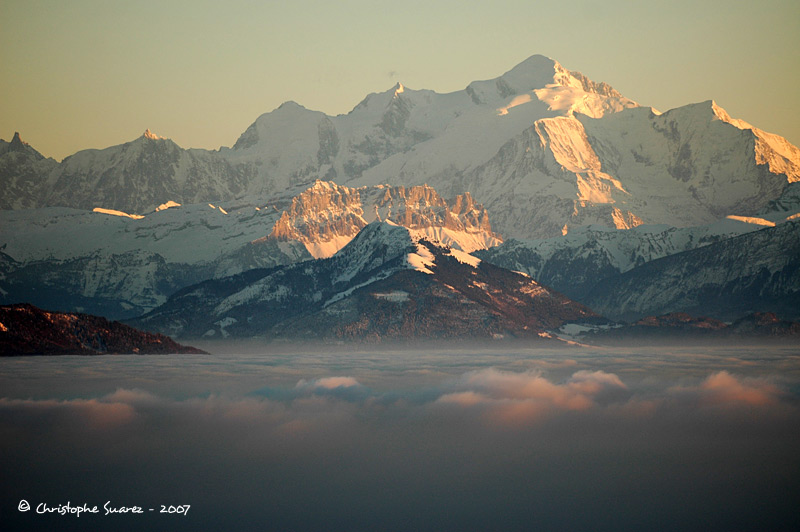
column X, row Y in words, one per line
column 28, row 330
column 327, row 216
column 385, row 283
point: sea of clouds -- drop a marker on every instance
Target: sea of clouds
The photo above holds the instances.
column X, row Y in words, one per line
column 398, row 439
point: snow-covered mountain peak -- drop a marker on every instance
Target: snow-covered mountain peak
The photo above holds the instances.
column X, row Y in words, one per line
column 23, row 172
column 533, row 73
column 704, row 110
column 722, row 114
column 385, row 242
column 377, row 102
column 291, row 106
column 325, row 186
column 282, row 132
column 394, row 237
column 709, row 119
column 374, row 246
column 542, row 78
column 541, row 146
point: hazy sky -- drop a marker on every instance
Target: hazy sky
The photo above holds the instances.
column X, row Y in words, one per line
column 94, row 73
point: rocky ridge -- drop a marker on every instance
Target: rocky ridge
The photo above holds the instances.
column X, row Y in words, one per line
column 326, row 216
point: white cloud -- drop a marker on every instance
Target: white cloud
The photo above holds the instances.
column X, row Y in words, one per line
column 328, row 383
column 517, row 397
column 722, row 387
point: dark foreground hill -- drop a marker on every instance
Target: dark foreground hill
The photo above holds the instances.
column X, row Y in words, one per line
column 28, row 330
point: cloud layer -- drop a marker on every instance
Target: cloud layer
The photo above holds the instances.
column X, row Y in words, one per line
column 487, row 448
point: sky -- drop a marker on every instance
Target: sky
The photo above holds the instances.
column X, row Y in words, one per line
column 95, row 73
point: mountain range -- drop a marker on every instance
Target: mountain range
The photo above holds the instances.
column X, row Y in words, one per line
column 387, row 283
column 540, row 147
column 620, row 207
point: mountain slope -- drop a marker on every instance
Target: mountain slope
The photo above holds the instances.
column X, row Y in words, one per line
column 140, row 175
column 754, row 272
column 384, row 284
column 574, row 263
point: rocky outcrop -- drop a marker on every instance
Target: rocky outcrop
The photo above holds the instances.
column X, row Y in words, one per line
column 327, row 216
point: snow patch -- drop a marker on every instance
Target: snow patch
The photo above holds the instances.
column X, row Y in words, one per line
column 533, row 289
column 423, row 260
column 327, row 248
column 465, row 258
column 167, row 205
column 225, row 322
column 463, row 240
column 349, row 291
column 752, row 220
column 395, row 296
column 112, row 212
column 518, row 100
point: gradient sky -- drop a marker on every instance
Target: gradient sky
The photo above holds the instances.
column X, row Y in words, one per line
column 94, row 73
